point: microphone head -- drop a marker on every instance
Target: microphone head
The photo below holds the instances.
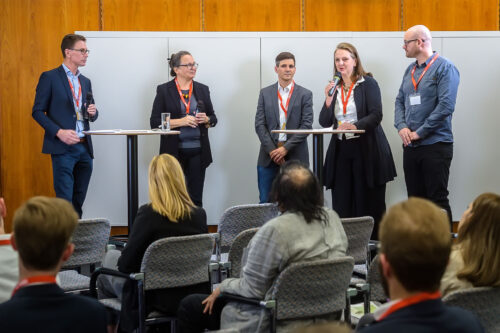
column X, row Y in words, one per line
column 201, row 106
column 89, row 97
column 337, row 76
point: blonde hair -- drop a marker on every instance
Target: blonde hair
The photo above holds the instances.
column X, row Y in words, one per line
column 478, row 241
column 415, row 238
column 43, row 228
column 167, row 188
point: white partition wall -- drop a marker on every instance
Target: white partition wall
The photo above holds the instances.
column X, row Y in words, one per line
column 126, row 67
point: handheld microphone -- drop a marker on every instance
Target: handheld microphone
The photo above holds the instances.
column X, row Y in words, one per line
column 200, row 107
column 336, row 79
column 88, row 100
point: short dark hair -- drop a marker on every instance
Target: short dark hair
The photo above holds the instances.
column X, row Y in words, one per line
column 283, row 56
column 69, row 41
column 297, row 189
column 43, row 228
column 415, row 238
column 175, row 60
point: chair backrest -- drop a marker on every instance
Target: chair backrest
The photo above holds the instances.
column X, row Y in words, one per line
column 236, row 251
column 484, row 302
column 374, row 278
column 312, row 288
column 239, row 218
column 90, row 238
column 177, row 261
column 358, row 231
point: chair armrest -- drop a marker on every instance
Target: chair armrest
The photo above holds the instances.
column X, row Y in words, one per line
column 112, row 272
column 270, row 304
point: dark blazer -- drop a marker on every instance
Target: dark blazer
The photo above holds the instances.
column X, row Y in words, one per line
column 54, row 110
column 149, row 226
column 46, row 308
column 428, row 316
column 267, row 118
column 377, row 156
column 168, row 100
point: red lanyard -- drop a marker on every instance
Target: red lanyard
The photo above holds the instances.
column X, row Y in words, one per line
column 415, row 84
column 285, row 108
column 76, row 98
column 183, row 100
column 410, row 301
column 32, row 280
column 4, row 242
column 344, row 102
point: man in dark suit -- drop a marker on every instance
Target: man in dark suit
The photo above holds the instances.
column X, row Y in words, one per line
column 415, row 245
column 63, row 107
column 42, row 235
column 283, row 105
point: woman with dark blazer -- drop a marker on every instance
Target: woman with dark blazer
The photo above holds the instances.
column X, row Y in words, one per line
column 357, row 167
column 191, row 147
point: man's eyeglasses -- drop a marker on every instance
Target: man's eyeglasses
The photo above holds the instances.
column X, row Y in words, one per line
column 82, row 51
column 190, row 66
column 406, row 42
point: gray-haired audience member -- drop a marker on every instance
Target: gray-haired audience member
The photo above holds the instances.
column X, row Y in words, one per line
column 305, row 231
column 415, row 247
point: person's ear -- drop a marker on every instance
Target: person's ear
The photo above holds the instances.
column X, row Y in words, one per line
column 386, row 267
column 68, row 252
column 276, row 69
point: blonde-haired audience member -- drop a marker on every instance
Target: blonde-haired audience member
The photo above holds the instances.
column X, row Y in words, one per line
column 475, row 258
column 170, row 213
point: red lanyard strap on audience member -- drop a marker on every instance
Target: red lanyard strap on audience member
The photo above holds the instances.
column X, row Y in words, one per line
column 285, row 108
column 344, row 103
column 183, row 100
column 4, row 242
column 415, row 84
column 76, row 98
column 421, row 297
column 32, row 280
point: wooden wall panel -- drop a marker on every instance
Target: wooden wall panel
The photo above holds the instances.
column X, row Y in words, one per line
column 354, row 15
column 452, row 15
column 30, row 37
column 151, row 15
column 253, row 15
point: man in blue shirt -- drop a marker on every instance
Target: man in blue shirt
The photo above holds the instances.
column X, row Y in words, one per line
column 424, row 107
column 63, row 107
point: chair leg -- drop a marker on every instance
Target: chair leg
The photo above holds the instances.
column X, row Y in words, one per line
column 347, row 310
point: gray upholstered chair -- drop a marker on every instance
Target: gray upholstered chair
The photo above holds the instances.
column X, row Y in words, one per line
column 236, row 251
column 239, row 218
column 90, row 238
column 358, row 231
column 307, row 290
column 167, row 263
column 372, row 289
column 484, row 302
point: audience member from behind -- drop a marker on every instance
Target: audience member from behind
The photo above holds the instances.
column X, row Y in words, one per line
column 42, row 235
column 171, row 213
column 9, row 271
column 475, row 258
column 415, row 247
column 305, row 231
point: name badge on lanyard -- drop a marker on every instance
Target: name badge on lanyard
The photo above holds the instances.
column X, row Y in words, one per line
column 415, row 99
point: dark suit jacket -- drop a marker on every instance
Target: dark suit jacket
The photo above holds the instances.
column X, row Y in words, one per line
column 377, row 156
column 54, row 110
column 428, row 316
column 267, row 118
column 168, row 100
column 46, row 308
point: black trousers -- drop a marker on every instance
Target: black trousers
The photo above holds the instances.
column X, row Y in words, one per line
column 427, row 169
column 191, row 317
column 190, row 160
column 351, row 195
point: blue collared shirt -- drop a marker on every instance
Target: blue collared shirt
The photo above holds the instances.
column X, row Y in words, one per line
column 431, row 119
column 76, row 86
